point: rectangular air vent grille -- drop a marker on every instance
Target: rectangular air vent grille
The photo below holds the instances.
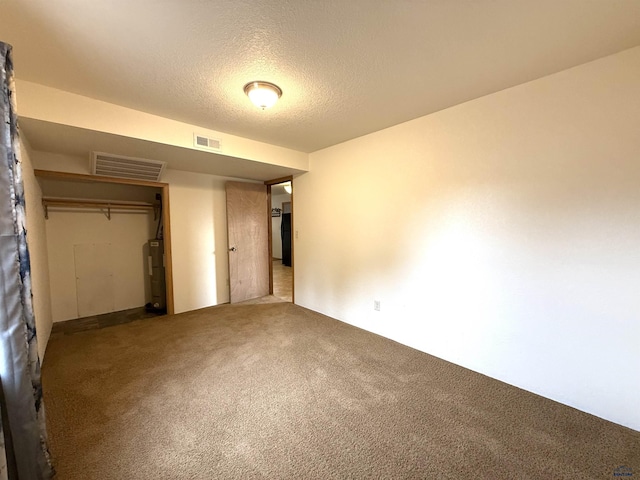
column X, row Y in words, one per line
column 109, row 165
column 206, row 143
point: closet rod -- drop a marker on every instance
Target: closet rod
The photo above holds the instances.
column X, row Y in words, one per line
column 109, row 205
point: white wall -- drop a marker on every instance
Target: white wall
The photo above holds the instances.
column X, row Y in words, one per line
column 276, row 238
column 60, row 162
column 37, row 240
column 127, row 233
column 199, row 239
column 502, row 234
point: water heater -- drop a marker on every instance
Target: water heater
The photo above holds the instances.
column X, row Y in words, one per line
column 156, row 275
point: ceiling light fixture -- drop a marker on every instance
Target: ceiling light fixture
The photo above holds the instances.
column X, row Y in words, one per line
column 263, row 94
column 287, row 187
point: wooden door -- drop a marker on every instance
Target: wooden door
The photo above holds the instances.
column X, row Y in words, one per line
column 248, row 235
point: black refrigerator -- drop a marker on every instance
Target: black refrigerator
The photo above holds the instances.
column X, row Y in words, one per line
column 285, row 233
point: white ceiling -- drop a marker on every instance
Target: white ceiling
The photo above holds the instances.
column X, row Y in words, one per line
column 346, row 68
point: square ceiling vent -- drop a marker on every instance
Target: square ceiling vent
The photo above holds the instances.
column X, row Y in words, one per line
column 109, row 165
column 205, row 143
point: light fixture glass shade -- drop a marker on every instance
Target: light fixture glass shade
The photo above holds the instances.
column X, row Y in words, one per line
column 287, row 187
column 263, row 94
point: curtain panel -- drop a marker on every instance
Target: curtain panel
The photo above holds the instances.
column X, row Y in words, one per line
column 23, row 447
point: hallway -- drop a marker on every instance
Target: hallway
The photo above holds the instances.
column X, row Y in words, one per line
column 282, row 281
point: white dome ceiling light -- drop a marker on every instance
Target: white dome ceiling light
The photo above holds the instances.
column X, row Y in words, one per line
column 263, row 94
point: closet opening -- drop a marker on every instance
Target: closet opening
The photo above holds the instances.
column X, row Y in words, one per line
column 109, row 248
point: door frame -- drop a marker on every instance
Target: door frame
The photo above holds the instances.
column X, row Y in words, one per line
column 166, row 223
column 269, row 183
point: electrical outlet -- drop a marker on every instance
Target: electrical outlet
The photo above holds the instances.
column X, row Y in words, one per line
column 296, row 234
column 376, row 305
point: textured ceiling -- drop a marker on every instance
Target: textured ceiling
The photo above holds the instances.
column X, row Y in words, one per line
column 347, row 68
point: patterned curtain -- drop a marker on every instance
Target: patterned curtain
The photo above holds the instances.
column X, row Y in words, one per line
column 23, row 446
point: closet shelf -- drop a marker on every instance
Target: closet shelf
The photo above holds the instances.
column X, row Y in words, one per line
column 106, row 206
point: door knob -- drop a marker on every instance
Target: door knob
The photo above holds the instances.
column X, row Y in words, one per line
column 232, row 249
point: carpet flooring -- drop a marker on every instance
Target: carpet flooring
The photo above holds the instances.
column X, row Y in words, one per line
column 274, row 391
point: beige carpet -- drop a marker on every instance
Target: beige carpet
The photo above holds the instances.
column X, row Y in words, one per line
column 275, row 391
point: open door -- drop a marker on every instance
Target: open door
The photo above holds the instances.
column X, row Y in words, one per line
column 248, row 235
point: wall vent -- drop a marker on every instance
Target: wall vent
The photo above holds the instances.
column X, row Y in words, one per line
column 205, row 143
column 109, row 165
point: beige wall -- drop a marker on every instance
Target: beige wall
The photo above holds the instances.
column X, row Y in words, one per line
column 60, row 163
column 37, row 241
column 199, row 239
column 501, row 234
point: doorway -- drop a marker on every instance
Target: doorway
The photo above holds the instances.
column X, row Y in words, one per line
column 281, row 238
column 256, row 235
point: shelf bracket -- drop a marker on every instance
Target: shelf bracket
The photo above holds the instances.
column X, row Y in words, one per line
column 107, row 212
